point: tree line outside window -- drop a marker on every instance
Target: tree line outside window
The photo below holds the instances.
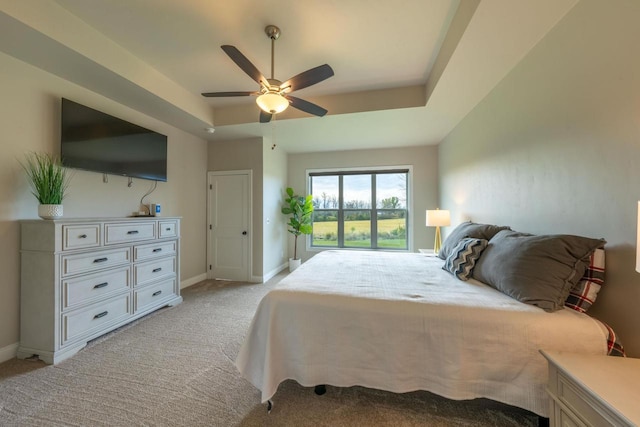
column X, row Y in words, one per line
column 364, row 209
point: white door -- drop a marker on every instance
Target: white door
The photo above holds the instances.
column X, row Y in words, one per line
column 229, row 239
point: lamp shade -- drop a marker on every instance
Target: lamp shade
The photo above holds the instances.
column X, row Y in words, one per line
column 272, row 103
column 438, row 218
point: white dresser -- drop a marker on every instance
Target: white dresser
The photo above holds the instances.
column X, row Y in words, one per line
column 593, row 391
column 81, row 278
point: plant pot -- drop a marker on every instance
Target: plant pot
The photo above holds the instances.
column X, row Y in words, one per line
column 50, row 211
column 294, row 263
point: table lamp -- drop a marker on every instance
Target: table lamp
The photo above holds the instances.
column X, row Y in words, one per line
column 437, row 218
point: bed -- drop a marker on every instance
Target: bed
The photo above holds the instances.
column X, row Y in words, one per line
column 399, row 322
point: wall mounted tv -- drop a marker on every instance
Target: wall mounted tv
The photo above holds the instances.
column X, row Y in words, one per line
column 95, row 141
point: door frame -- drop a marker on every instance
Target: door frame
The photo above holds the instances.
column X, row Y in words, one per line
column 209, row 229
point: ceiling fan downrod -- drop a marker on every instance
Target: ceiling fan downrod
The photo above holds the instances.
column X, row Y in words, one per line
column 273, row 33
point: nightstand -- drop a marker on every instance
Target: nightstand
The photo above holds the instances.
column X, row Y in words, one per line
column 589, row 390
column 427, row 252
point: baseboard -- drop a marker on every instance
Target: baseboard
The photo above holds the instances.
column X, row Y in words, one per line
column 275, row 271
column 193, row 280
column 254, row 279
column 8, row 352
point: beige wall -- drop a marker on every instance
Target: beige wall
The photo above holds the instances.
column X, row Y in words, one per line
column 424, row 191
column 275, row 232
column 30, row 121
column 555, row 148
column 244, row 154
column 269, row 168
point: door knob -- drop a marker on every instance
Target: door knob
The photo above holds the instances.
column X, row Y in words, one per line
column 244, row 233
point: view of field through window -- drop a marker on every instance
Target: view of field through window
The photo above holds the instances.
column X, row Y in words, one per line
column 367, row 210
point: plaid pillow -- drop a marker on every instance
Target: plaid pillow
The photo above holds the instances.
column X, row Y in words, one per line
column 463, row 257
column 583, row 294
column 614, row 345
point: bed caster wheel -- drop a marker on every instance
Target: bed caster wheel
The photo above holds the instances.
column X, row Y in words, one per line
column 320, row 389
column 269, row 406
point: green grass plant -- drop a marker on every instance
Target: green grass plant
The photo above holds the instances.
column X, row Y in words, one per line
column 48, row 179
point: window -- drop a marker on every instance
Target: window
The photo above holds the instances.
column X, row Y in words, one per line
column 360, row 209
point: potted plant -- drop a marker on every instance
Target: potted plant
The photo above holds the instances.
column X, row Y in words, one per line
column 49, row 181
column 300, row 210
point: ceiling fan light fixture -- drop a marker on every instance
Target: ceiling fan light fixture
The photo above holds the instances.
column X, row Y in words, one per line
column 272, row 103
column 274, row 96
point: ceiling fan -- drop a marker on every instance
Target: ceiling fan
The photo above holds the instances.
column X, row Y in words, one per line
column 273, row 96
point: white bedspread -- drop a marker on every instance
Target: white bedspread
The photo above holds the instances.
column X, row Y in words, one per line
column 398, row 322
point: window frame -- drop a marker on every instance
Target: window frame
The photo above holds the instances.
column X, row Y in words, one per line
column 373, row 209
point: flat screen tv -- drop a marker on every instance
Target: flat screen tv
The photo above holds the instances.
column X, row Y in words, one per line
column 95, row 141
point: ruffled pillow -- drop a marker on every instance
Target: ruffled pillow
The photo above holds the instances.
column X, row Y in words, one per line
column 537, row 270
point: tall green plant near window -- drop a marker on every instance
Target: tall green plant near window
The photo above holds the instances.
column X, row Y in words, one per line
column 48, row 179
column 301, row 209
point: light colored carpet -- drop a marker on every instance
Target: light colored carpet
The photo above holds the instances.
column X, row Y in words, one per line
column 175, row 368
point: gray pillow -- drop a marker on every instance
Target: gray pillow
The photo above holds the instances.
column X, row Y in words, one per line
column 468, row 229
column 537, row 270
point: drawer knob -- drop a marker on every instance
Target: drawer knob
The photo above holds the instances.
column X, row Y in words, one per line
column 101, row 285
column 99, row 315
column 132, row 232
column 157, row 250
column 155, row 270
column 167, row 229
column 82, row 236
column 100, row 259
column 156, row 293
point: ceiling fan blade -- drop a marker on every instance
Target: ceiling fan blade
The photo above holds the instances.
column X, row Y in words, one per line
column 265, row 117
column 222, row 94
column 308, row 78
column 244, row 64
column 306, row 106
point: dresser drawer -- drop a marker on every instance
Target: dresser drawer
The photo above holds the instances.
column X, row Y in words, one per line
column 94, row 318
column 578, row 402
column 154, row 250
column 153, row 270
column 128, row 232
column 85, row 289
column 167, row 228
column 153, row 295
column 87, row 262
column 80, row 236
column 566, row 420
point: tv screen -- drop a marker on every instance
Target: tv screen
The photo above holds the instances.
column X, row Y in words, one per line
column 95, row 141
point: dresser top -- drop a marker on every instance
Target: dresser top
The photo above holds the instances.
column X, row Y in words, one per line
column 613, row 380
column 101, row 219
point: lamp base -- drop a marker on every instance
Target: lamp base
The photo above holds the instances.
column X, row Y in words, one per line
column 437, row 244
